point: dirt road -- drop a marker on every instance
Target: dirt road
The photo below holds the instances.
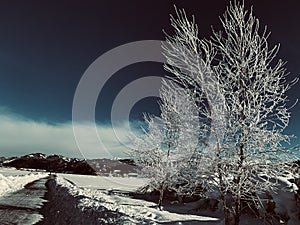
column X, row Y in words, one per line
column 22, row 207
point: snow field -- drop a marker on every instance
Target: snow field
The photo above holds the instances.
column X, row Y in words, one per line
column 96, row 193
column 135, row 209
column 107, row 183
column 12, row 180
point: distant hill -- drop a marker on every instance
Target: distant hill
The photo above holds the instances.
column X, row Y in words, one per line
column 114, row 167
column 51, row 163
column 61, row 164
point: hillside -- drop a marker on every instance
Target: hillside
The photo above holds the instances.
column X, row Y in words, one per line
column 61, row 164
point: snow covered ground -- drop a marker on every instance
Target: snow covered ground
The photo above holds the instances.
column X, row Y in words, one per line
column 105, row 183
column 135, row 209
column 12, row 180
column 94, row 192
column 285, row 202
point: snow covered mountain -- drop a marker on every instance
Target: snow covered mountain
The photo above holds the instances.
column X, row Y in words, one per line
column 59, row 163
column 51, row 163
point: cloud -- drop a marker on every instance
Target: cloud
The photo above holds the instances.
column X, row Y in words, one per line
column 19, row 136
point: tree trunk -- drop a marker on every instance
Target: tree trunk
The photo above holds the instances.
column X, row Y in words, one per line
column 237, row 213
column 161, row 195
column 225, row 209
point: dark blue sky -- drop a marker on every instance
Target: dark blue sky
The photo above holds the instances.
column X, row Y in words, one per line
column 45, row 47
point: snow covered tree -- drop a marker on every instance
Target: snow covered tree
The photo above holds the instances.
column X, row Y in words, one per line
column 167, row 150
column 242, row 93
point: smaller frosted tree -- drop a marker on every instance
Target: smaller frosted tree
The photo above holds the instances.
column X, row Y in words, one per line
column 167, row 149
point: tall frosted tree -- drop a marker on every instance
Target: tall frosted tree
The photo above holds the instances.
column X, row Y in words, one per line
column 242, row 91
column 168, row 146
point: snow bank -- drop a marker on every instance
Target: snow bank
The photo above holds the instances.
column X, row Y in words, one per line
column 285, row 203
column 62, row 208
column 14, row 183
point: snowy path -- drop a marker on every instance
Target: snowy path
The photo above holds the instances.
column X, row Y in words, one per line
column 22, row 206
